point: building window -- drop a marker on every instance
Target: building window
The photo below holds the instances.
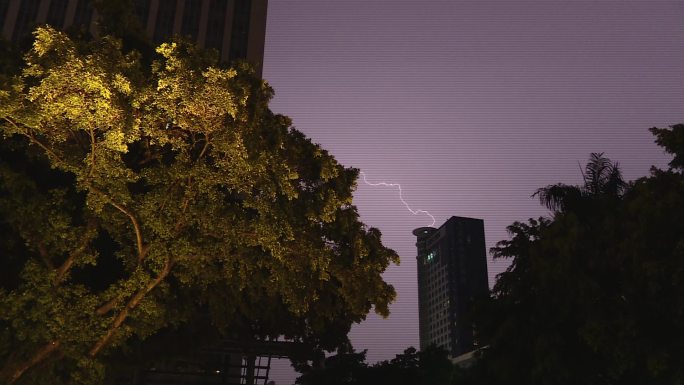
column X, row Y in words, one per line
column 142, row 11
column 216, row 24
column 57, row 12
column 84, row 13
column 240, row 32
column 163, row 27
column 191, row 18
column 28, row 11
column 4, row 4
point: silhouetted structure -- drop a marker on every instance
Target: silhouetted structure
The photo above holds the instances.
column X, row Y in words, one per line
column 452, row 272
column 236, row 28
column 228, row 362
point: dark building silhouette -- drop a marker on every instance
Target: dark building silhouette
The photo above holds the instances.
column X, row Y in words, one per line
column 236, row 28
column 452, row 273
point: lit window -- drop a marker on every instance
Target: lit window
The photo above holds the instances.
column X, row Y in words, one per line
column 431, row 255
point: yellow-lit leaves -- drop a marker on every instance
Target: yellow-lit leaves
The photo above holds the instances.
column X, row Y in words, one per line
column 73, row 91
column 186, row 164
column 121, row 84
column 196, row 99
column 48, row 40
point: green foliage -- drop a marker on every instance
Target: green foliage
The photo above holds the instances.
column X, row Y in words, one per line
column 137, row 200
column 594, row 295
column 431, row 366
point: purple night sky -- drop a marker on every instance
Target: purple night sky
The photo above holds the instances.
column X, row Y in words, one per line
column 470, row 106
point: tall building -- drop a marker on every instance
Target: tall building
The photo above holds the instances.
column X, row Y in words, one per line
column 452, row 273
column 236, row 28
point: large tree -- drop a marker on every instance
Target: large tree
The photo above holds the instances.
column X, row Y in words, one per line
column 595, row 294
column 145, row 199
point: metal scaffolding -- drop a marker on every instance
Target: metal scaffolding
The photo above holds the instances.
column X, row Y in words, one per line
column 229, row 362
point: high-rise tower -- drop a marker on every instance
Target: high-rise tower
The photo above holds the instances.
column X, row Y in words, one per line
column 452, row 273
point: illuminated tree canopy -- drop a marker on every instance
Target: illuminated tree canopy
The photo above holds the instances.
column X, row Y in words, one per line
column 144, row 198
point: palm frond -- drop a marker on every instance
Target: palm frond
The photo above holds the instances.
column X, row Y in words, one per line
column 559, row 196
column 601, row 177
column 596, row 173
column 615, row 185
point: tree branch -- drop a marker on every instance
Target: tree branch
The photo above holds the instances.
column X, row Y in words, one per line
column 33, row 139
column 142, row 250
column 92, row 152
column 132, row 303
column 42, row 353
column 66, row 265
column 109, row 305
column 44, row 255
column 206, row 146
column 50, row 347
column 181, row 222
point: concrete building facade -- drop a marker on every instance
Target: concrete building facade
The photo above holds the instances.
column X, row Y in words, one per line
column 236, row 28
column 452, row 273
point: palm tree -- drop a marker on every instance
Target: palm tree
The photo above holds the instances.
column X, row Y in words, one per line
column 602, row 178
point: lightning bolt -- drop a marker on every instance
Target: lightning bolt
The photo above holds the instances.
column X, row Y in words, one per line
column 401, row 197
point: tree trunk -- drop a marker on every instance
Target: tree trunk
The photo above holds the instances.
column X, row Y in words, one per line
column 44, row 352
